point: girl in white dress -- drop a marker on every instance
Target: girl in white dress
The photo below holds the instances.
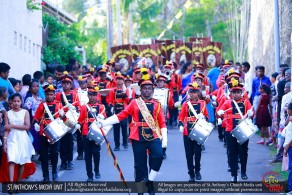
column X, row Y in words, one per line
column 17, row 143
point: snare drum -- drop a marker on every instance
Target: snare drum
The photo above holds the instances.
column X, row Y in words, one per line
column 72, row 120
column 243, row 131
column 55, row 130
column 95, row 134
column 201, row 131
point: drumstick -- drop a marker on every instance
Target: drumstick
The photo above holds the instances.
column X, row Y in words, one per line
column 116, row 164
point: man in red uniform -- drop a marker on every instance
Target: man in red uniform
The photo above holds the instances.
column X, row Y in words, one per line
column 175, row 85
column 66, row 142
column 148, row 132
column 86, row 119
column 41, row 120
column 186, row 120
column 233, row 117
column 118, row 100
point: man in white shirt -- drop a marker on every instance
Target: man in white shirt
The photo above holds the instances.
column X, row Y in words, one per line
column 248, row 76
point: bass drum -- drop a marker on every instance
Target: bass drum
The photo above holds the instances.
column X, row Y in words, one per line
column 244, row 130
column 55, row 130
column 201, row 131
column 95, row 134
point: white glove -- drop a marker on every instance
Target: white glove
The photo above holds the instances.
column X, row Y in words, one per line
column 164, row 137
column 93, row 110
column 77, row 126
column 100, row 116
column 214, row 98
column 201, row 116
column 181, row 129
column 177, row 104
column 180, row 98
column 249, row 113
column 204, row 93
column 109, row 121
column 214, row 104
column 112, row 110
column 61, row 112
column 71, row 107
column 220, row 112
column 219, row 121
column 36, row 127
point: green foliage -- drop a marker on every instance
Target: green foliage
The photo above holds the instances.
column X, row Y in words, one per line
column 75, row 7
column 31, row 5
column 61, row 42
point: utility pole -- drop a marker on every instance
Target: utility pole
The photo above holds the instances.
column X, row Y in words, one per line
column 130, row 24
column 109, row 28
column 119, row 22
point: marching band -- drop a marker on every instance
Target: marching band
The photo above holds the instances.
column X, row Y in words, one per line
column 143, row 109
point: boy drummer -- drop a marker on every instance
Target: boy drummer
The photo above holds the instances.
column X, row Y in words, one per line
column 41, row 120
column 233, row 117
column 85, row 119
column 186, row 120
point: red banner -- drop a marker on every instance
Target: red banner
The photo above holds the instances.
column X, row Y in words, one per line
column 123, row 54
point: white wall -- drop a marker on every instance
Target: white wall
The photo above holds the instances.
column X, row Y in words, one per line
column 20, row 37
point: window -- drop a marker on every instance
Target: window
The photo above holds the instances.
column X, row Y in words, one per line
column 15, row 38
column 29, row 46
column 24, row 44
column 33, row 49
column 20, row 41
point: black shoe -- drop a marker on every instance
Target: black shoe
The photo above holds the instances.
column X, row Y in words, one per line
column 70, row 165
column 64, row 166
column 234, row 179
column 90, row 179
column 203, row 147
column 140, row 193
column 220, row 140
column 276, row 160
column 192, row 179
column 174, row 124
column 198, row 175
column 244, row 176
column 117, row 149
column 55, row 177
column 80, row 157
column 150, row 187
column 164, row 156
column 97, row 175
column 46, row 180
column 125, row 146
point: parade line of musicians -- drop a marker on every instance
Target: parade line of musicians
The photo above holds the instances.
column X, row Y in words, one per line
column 140, row 108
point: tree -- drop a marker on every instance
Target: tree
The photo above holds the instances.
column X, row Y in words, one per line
column 61, row 42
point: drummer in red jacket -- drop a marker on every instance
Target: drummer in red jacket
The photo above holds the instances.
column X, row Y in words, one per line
column 233, row 117
column 118, row 100
column 85, row 120
column 186, row 120
column 41, row 120
column 66, row 142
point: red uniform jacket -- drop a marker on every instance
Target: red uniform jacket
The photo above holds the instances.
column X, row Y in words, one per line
column 72, row 98
column 232, row 115
column 138, row 124
column 118, row 99
column 186, row 116
column 85, row 118
column 175, row 85
column 42, row 118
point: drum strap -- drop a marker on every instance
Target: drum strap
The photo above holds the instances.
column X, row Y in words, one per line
column 48, row 111
column 192, row 109
column 147, row 116
column 239, row 111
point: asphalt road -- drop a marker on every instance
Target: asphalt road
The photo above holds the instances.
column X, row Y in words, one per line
column 174, row 168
